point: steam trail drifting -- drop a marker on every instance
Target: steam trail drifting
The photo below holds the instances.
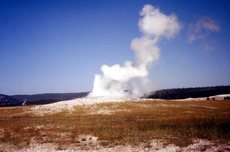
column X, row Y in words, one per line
column 131, row 78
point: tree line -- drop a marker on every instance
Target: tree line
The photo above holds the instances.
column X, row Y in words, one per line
column 181, row 93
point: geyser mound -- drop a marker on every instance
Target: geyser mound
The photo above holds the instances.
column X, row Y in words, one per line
column 131, row 78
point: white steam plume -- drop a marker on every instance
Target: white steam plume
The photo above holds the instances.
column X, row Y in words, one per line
column 131, row 79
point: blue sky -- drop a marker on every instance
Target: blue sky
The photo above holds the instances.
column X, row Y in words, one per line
column 59, row 45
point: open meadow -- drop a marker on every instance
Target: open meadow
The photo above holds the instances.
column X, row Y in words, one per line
column 147, row 125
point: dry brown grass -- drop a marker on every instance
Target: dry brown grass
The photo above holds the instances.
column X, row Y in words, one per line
column 176, row 122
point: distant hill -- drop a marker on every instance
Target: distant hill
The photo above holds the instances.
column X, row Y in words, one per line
column 37, row 99
column 9, row 101
column 48, row 97
column 181, row 93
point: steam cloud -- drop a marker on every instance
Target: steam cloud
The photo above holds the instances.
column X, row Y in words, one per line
column 131, row 78
column 202, row 29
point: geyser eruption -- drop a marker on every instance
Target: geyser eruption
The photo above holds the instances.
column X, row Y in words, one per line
column 131, row 78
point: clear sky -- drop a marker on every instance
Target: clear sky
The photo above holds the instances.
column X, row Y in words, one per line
column 59, row 45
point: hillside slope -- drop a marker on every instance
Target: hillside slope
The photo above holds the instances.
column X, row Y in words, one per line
column 48, row 97
column 9, row 101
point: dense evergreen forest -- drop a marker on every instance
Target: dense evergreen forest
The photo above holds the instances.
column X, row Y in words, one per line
column 181, row 93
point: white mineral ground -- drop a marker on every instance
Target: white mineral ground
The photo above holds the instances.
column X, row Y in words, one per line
column 70, row 104
column 91, row 144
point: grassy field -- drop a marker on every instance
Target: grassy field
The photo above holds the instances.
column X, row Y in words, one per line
column 176, row 122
